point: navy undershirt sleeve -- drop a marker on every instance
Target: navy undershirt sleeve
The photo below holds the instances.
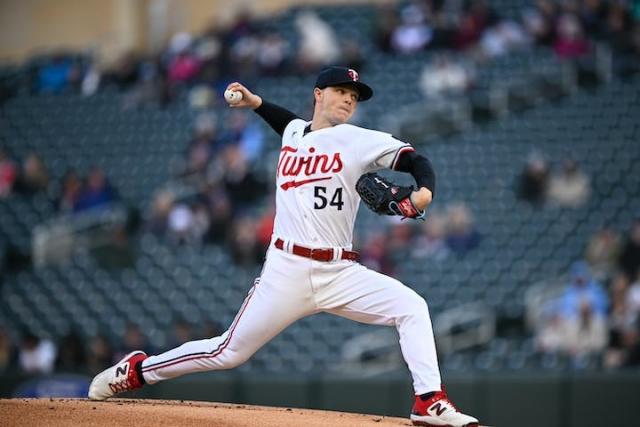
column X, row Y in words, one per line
column 277, row 117
column 420, row 168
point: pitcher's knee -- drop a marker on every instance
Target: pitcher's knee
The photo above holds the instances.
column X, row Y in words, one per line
column 233, row 359
column 417, row 303
column 415, row 306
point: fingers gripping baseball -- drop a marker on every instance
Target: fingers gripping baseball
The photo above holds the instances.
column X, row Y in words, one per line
column 238, row 96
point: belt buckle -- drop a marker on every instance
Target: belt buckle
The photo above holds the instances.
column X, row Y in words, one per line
column 322, row 254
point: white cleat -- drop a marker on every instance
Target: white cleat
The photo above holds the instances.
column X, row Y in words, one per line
column 119, row 378
column 438, row 411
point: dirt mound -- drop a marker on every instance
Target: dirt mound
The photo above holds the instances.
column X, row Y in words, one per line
column 142, row 413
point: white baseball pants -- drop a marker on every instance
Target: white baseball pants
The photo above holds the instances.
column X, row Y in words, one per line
column 292, row 287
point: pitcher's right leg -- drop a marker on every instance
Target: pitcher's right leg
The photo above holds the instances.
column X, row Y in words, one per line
column 214, row 353
column 264, row 314
column 280, row 296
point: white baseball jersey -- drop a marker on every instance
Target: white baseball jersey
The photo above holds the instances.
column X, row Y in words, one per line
column 316, row 200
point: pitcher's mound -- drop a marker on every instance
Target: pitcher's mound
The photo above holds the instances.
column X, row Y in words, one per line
column 143, row 413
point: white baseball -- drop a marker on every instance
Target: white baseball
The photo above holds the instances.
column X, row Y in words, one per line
column 232, row 97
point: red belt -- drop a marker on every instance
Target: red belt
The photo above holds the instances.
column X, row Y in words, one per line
column 325, row 255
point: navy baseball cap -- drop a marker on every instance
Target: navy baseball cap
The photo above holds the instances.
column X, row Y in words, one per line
column 337, row 76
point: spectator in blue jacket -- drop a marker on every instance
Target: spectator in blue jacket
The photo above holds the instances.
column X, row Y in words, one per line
column 583, row 288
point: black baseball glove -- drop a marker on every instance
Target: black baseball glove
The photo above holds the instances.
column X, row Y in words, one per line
column 386, row 198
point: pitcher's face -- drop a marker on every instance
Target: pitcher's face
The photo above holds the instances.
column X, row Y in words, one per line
column 336, row 104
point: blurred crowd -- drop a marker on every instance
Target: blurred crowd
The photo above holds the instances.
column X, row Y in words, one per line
column 465, row 32
column 565, row 186
column 448, row 232
column 72, row 193
column 469, row 33
column 73, row 353
column 570, row 27
column 201, row 65
column 596, row 319
column 226, row 201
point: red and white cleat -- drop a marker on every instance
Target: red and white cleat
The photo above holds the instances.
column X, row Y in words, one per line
column 438, row 411
column 119, row 378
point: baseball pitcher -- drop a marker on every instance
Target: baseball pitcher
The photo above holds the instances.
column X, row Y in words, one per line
column 326, row 167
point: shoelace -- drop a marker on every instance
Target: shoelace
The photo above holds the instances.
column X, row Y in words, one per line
column 446, row 399
column 120, row 386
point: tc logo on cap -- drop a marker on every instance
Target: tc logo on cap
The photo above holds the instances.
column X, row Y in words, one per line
column 353, row 74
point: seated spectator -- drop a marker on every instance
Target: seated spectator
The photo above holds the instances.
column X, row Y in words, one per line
column 540, row 22
column 586, row 335
column 8, row 174
column 551, row 333
column 399, row 235
column 55, row 76
column 375, row 255
column 632, row 346
column 220, row 214
column 273, row 54
column 582, row 287
column 462, row 235
column 630, row 256
column 603, row 251
column 246, row 134
column 36, row 356
column 621, row 320
column 201, row 221
column 318, row 43
column 205, row 145
column 70, row 192
column 97, row 192
column 633, row 296
column 616, row 27
column 126, row 71
column 626, row 60
column 431, row 243
column 241, row 183
column 183, row 68
column 477, row 17
column 150, row 86
column 571, row 187
column 570, row 42
column 158, row 222
column 534, row 180
column 198, row 158
column 265, row 227
column 245, row 248
column 180, row 224
column 414, row 33
column 444, row 76
column 33, row 177
column 91, row 81
column 581, row 338
column 593, row 15
column 503, row 38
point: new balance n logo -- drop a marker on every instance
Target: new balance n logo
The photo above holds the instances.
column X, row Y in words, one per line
column 122, row 370
column 438, row 408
